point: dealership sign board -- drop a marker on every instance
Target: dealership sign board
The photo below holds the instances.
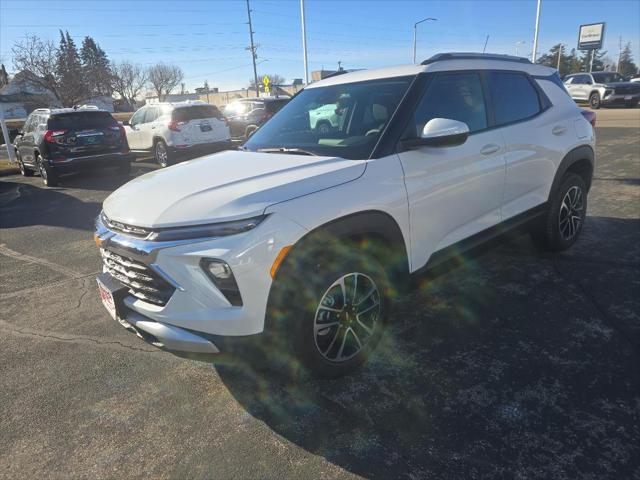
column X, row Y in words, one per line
column 591, row 36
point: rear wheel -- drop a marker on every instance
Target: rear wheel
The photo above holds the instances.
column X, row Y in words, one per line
column 49, row 177
column 327, row 310
column 161, row 154
column 24, row 171
column 563, row 221
column 594, row 100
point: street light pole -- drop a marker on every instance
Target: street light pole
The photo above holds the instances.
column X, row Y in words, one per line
column 534, row 54
column 253, row 52
column 415, row 34
column 518, row 43
column 559, row 55
column 304, row 43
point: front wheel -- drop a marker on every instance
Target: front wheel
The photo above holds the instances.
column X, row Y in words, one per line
column 328, row 309
column 565, row 216
column 594, row 101
column 161, row 154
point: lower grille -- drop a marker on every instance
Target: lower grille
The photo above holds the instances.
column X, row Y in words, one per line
column 627, row 90
column 142, row 282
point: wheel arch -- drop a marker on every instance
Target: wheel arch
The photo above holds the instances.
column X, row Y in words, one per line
column 360, row 227
column 580, row 160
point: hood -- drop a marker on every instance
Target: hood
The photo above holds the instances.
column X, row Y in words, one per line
column 621, row 84
column 225, row 186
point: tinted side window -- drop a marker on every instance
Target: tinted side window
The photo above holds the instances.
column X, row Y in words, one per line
column 138, row 117
column 151, row 114
column 514, row 97
column 456, row 96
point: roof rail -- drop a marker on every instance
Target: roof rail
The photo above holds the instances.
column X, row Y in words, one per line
column 474, row 56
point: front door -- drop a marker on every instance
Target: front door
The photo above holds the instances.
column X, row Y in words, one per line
column 453, row 192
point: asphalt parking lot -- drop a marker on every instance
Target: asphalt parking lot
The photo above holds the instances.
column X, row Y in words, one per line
column 511, row 364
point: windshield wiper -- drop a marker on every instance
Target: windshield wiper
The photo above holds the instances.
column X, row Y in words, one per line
column 294, row 151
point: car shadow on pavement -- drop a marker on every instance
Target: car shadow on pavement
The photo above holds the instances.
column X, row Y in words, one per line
column 513, row 364
column 24, row 204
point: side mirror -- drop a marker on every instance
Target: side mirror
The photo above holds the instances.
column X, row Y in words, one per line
column 439, row 132
column 126, row 123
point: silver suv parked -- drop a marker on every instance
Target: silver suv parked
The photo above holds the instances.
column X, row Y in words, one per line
column 602, row 88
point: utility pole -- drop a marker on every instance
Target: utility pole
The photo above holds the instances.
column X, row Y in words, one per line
column 485, row 44
column 518, row 43
column 304, row 43
column 252, row 49
column 559, row 55
column 619, row 56
column 415, row 34
column 534, row 54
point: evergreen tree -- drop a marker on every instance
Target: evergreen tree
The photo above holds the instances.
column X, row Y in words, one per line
column 627, row 66
column 71, row 85
column 96, row 68
column 598, row 64
column 551, row 59
column 575, row 63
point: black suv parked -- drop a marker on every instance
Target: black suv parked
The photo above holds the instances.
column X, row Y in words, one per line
column 56, row 141
column 246, row 115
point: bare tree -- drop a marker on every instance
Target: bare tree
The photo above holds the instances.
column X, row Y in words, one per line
column 128, row 80
column 40, row 58
column 164, row 78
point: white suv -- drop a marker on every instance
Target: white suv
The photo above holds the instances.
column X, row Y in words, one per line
column 169, row 130
column 297, row 244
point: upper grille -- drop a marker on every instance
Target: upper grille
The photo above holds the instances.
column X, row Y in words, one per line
column 627, row 89
column 142, row 282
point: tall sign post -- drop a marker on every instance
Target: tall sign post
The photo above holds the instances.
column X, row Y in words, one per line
column 591, row 37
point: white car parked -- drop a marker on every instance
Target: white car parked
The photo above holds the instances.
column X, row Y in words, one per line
column 298, row 244
column 169, row 130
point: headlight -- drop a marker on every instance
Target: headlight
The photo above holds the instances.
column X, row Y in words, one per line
column 223, row 229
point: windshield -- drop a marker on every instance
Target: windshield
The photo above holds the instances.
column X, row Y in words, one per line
column 343, row 120
column 603, row 77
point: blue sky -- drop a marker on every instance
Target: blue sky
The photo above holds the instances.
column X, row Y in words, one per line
column 208, row 38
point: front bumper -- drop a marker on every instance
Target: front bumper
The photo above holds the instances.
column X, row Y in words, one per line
column 620, row 99
column 90, row 162
column 197, row 308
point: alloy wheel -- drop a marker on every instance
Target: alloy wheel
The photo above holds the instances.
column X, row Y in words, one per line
column 161, row 154
column 347, row 317
column 571, row 213
column 43, row 172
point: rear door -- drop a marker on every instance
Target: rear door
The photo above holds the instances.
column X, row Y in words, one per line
column 84, row 133
column 534, row 138
column 198, row 124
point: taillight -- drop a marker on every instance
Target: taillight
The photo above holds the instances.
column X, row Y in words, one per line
column 123, row 136
column 54, row 136
column 589, row 116
column 173, row 125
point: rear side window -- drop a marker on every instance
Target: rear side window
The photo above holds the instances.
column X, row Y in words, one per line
column 81, row 121
column 514, row 97
column 196, row 112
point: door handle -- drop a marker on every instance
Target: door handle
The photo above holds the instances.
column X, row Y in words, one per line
column 559, row 130
column 489, row 149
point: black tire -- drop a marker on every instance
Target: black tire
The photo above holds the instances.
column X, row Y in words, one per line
column 554, row 232
column 49, row 177
column 323, row 128
column 24, row 171
column 161, row 154
column 594, row 101
column 300, row 303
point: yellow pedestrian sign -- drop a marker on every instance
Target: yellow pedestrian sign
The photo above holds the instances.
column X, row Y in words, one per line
column 266, row 82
